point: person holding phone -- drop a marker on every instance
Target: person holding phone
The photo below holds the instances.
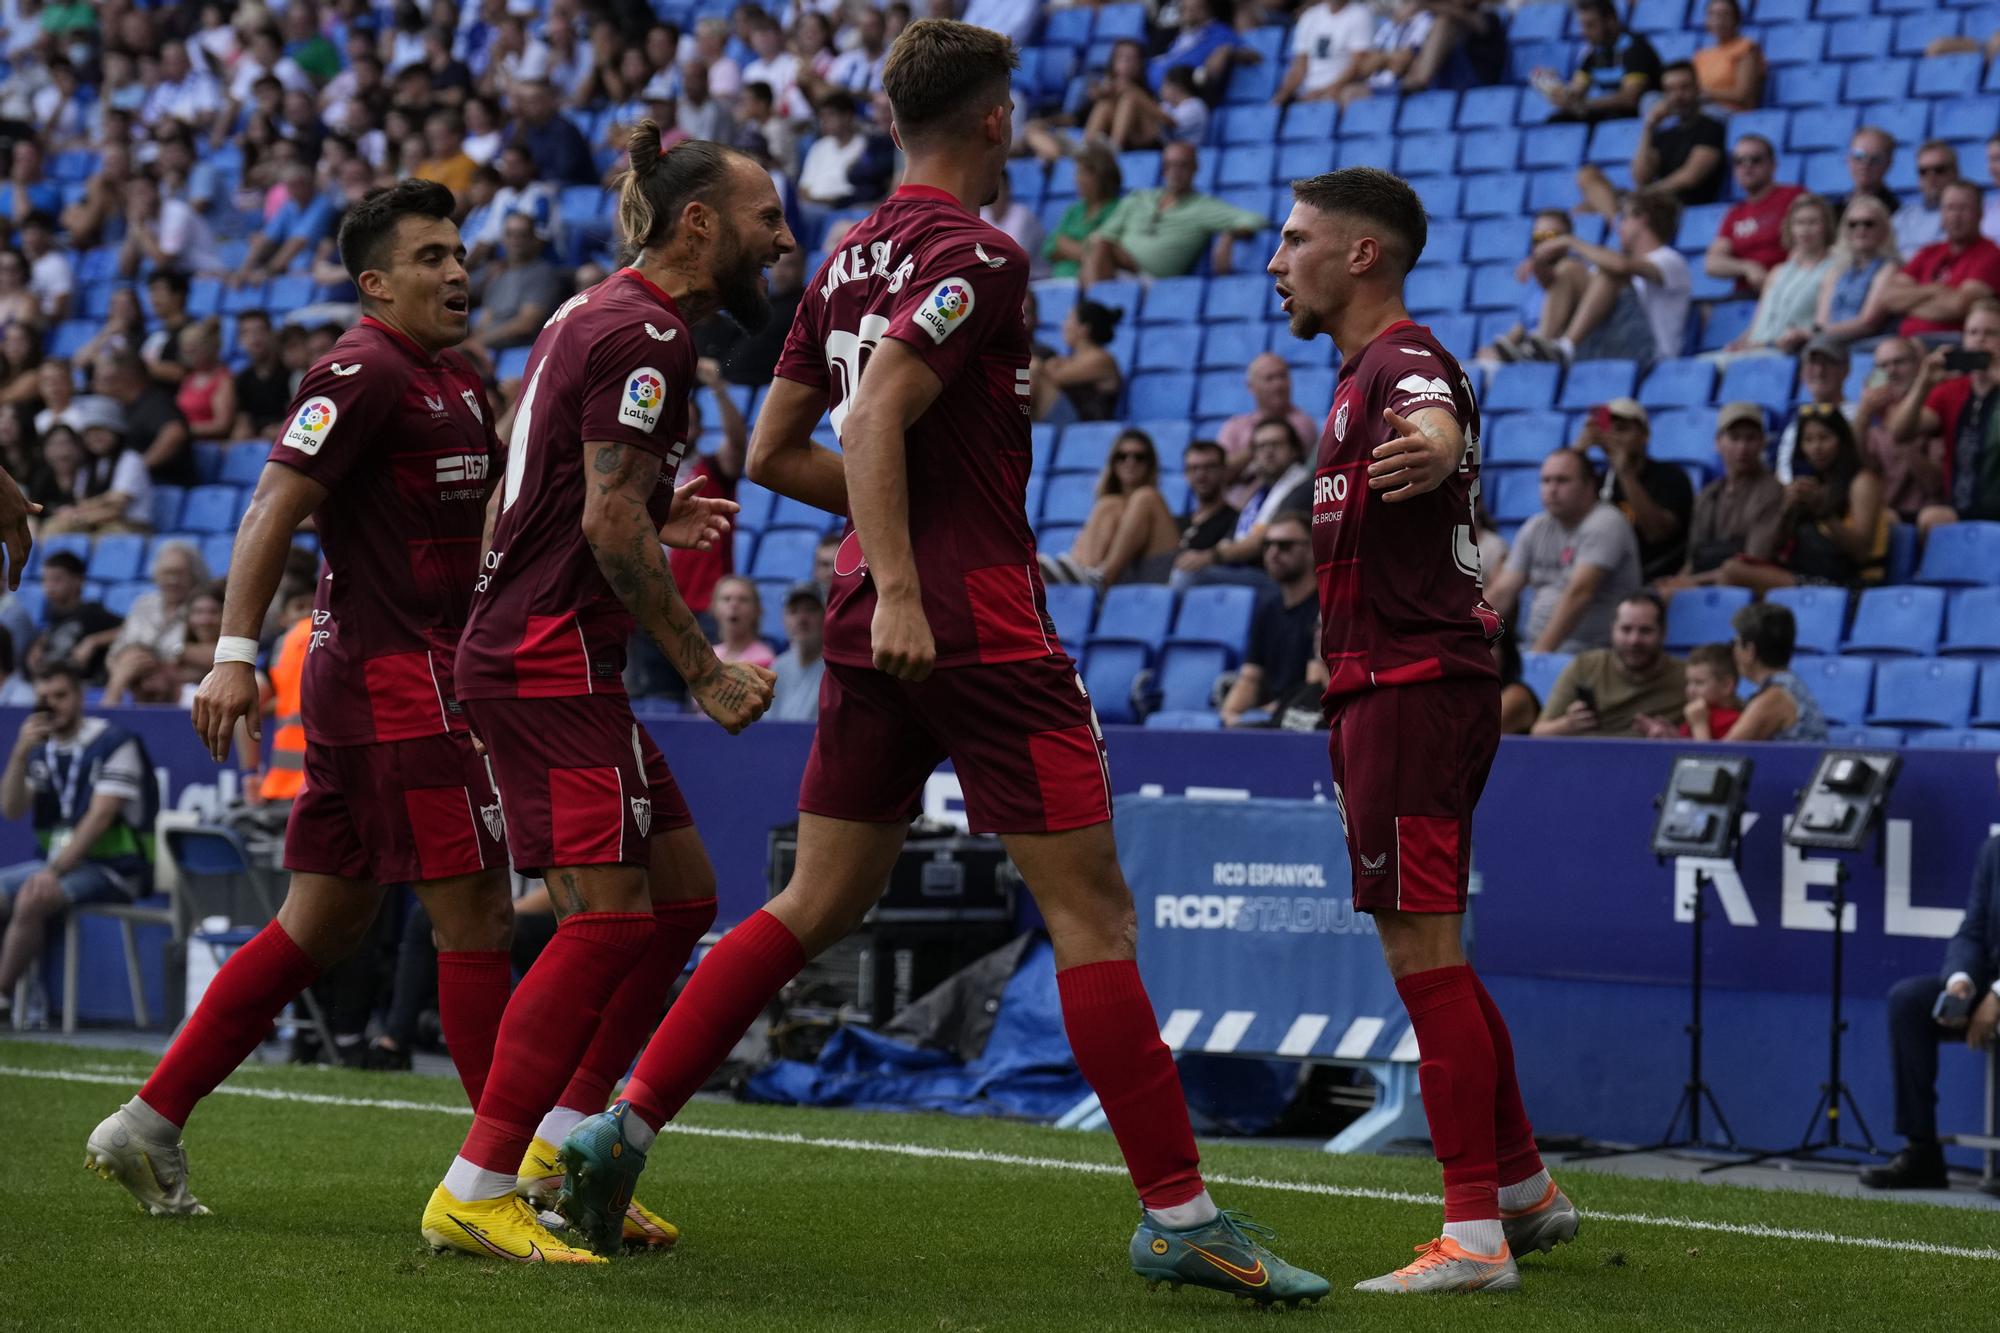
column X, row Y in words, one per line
column 1954, row 396
column 1959, row 1002
column 1618, row 691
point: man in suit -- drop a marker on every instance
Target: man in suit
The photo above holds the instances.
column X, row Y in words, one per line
column 1919, row 1021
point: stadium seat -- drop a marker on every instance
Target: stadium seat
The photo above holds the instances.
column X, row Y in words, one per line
column 1427, row 112
column 1526, row 386
column 1117, row 294
column 216, row 549
column 1312, row 390
column 1219, row 616
column 1555, row 188
column 1590, row 383
column 787, row 512
column 1701, row 615
column 1249, row 163
column 753, row 506
column 210, row 509
column 1866, row 738
column 1972, row 623
column 1423, row 154
column 1170, row 300
column 1954, row 738
column 1915, row 32
column 1889, row 80
column 1684, row 382
column 1987, row 714
column 1298, row 160
column 1110, row 671
column 1897, row 622
column 119, row 597
column 1086, row 446
column 167, row 502
column 1612, row 142
column 1071, row 606
column 1162, row 394
column 1942, row 76
column 1243, row 296
column 1503, row 195
column 1119, row 22
column 1187, row 674
column 1222, row 393
column 1069, row 499
column 1494, row 287
column 1511, row 496
column 1819, row 614
column 1228, row 346
column 1483, row 108
column 1522, row 439
column 1309, row 122
column 785, row 553
column 243, row 463
column 1539, row 672
column 1767, row 381
column 1685, row 437
column 1435, row 289
column 1184, row 719
column 1134, row 613
column 1539, row 22
column 1929, row 692
column 1440, row 195
column 1657, row 16
column 1966, row 118
column 1173, row 347
column 742, row 546
column 1375, row 150
column 1901, row 565
column 1840, row 685
column 116, row 557
column 1794, row 44
column 1724, row 322
column 1813, row 85
column 1860, row 38
column 1961, row 554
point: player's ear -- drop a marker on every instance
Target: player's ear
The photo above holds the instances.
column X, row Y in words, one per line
column 373, row 284
column 1363, row 253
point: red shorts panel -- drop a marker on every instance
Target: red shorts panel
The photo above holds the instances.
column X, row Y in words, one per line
column 396, row 812
column 581, row 781
column 1021, row 735
column 1409, row 763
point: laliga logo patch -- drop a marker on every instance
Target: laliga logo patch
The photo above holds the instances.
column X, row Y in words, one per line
column 309, row 428
column 945, row 308
column 642, row 814
column 645, row 391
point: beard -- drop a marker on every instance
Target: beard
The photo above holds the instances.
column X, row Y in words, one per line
column 1305, row 324
column 737, row 283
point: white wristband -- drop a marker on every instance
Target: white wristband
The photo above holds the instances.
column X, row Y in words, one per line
column 235, row 648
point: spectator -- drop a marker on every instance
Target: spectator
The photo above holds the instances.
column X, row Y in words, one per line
column 1731, row 71
column 1635, row 305
column 1099, row 182
column 124, row 327
column 516, row 294
column 1207, row 43
column 1010, row 215
column 1959, row 409
column 20, row 366
column 1398, row 41
column 183, row 92
column 1960, row 1001
column 1920, row 222
column 859, row 68
column 835, row 174
column 1940, row 283
column 775, row 67
column 153, row 425
column 1163, row 232
column 1087, row 377
column 302, row 221
column 826, row 557
column 1751, row 241
column 1183, row 115
column 1617, row 68
column 18, row 303
column 207, row 396
column 750, row 358
column 695, row 572
column 28, row 187
column 263, row 386
column 1122, row 112
column 1989, row 221
column 560, row 152
column 1551, row 299
column 1017, row 18
column 75, row 632
column 1850, row 297
column 104, row 197
column 155, row 628
column 1579, row 556
column 801, row 666
column 1130, row 535
column 1626, row 689
column 117, row 493
column 182, row 174
column 55, row 390
column 445, row 159
column 1329, row 40
column 1869, row 154
column 164, row 357
column 1780, row 707
column 1283, row 484
column 51, row 279
column 1912, row 470
column 1788, row 307
column 1711, row 695
column 519, row 192
column 755, row 114
column 1269, row 379
column 60, row 478
column 1679, row 149
column 698, row 112
column 738, row 611
column 1740, row 513
column 1839, row 525
column 1656, row 498
column 1284, row 637
column 1823, row 376
column 1210, row 517
column 86, row 785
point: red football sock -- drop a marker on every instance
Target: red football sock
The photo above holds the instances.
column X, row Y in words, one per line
column 1515, row 1137
column 733, row 984
column 234, row 1016
column 1117, row 1044
column 634, row 1010
column 548, row 1024
column 473, row 988
column 1456, row 1070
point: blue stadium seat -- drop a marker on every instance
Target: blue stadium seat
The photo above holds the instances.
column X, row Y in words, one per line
column 1943, row 76
column 785, row 553
column 1965, row 118
column 1069, row 498
column 1504, row 195
column 1120, row 22
column 788, row 512
column 243, row 463
column 207, row 461
column 1184, row 719
column 1768, row 381
column 1481, row 108
column 1656, row 16
column 1110, row 670
column 1612, row 142
column 1160, row 393
column 210, row 509
column 1057, row 537
column 1908, row 121
column 215, row 552
column 1527, row 386
column 1422, row 154
column 1929, row 692
column 1171, row 439
column 119, row 597
column 1511, row 495
column 1134, row 613
column 1554, row 188
column 1374, row 118
column 1172, row 347
column 167, row 502
column 1539, row 672
column 1427, row 112
column 1554, row 146
column 1988, row 712
column 1375, row 150
column 1071, row 606
column 511, row 363
column 1249, row 125
column 1229, row 346
column 1488, row 150
column 1724, row 322
column 1915, row 32
column 1218, row 616
column 1685, row 382
column 1117, row 294
column 1821, row 127
column 1865, row 738
column 1222, row 393
column 1820, row 615
column 1961, row 554
column 1086, row 446
column 1811, row 85
column 1701, row 615
column 1436, row 289
column 1972, row 623
column 1540, row 22
column 771, row 598
column 1299, row 160
column 1889, row 80
column 1685, row 437
column 1897, row 622
column 1499, row 242
column 1312, row 390
column 1494, row 286
column 1309, row 122
column 1248, row 163
column 1242, row 296
column 116, row 557
column 1187, row 675
column 743, row 546
column 1522, row 439
column 1168, row 300
column 1955, row 738
column 1840, row 685
column 1860, row 38
column 753, row 506
column 1590, row 383
column 1458, row 333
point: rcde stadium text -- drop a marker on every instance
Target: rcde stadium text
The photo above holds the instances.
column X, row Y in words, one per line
column 1236, row 911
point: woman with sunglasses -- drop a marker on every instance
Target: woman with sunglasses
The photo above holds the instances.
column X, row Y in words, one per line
column 1130, row 535
column 1836, row 524
column 1864, row 257
column 1787, row 305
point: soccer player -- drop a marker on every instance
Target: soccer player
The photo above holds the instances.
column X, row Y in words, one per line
column 389, row 444
column 937, row 645
column 575, row 562
column 1413, row 699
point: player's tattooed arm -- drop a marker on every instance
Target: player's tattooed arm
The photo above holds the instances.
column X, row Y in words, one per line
column 1426, row 448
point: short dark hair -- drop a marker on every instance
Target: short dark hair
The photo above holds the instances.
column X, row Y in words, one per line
column 1768, row 630
column 1203, row 446
column 1717, row 657
column 1645, row 598
column 838, row 100
column 1181, row 77
column 1658, row 209
column 368, row 228
column 1374, row 196
column 1602, row 8
column 1970, row 187
column 67, row 561
column 1680, row 66
column 1101, row 320
column 941, row 72
column 1291, row 431
column 172, row 278
column 60, row 669
column 760, row 90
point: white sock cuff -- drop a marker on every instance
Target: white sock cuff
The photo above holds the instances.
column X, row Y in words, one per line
column 468, row 1183
column 557, row 1124
column 1485, row 1237
column 1525, row 1193
column 1196, row 1212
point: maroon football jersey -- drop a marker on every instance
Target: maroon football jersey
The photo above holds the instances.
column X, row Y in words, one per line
column 614, row 364
column 924, row 270
column 1400, row 592
column 403, row 443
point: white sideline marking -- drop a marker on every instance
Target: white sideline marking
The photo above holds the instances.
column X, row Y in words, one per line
column 984, row 1158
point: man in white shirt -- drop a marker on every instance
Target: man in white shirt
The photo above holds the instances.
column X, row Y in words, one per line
column 801, row 666
column 774, row 66
column 1325, row 41
column 859, row 68
column 823, row 178
column 1016, row 18
column 1635, row 306
column 50, row 276
column 183, row 93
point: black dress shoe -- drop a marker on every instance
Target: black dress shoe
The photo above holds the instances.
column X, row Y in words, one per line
column 1917, row 1167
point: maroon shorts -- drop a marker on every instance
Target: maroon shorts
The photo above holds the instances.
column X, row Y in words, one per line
column 581, row 781
column 1409, row 762
column 1021, row 735
column 395, row 812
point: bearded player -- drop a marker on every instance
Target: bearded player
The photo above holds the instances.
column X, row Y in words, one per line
column 389, row 444
column 575, row 563
column 1414, row 699
column 938, row 645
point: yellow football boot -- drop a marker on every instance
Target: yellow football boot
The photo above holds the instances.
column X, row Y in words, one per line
column 503, row 1228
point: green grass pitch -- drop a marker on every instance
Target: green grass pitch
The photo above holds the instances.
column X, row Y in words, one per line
column 821, row 1220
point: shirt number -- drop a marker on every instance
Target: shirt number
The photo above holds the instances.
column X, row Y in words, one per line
column 517, row 440
column 847, row 354
column 1464, row 537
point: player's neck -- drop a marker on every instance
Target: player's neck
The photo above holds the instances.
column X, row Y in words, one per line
column 963, row 180
column 686, row 280
column 388, row 321
column 1364, row 320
